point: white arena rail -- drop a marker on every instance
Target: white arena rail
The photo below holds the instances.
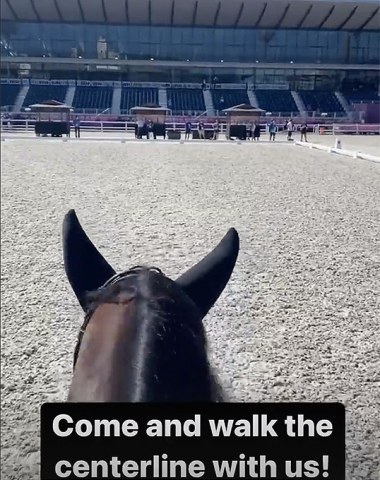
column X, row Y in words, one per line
column 357, row 128
column 99, row 126
column 347, row 129
column 339, row 151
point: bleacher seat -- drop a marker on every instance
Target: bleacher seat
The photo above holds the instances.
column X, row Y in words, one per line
column 42, row 93
column 322, row 102
column 362, row 97
column 228, row 98
column 137, row 97
column 8, row 94
column 186, row 100
column 93, row 98
column 276, row 101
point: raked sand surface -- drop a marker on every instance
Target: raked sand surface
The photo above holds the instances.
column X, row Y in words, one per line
column 299, row 320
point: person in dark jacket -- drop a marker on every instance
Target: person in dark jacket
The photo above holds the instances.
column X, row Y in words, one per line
column 150, row 130
column 304, row 132
column 256, row 132
column 187, row 130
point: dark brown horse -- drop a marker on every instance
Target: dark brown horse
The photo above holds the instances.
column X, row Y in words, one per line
column 143, row 339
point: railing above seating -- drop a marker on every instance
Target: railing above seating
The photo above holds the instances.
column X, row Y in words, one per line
column 124, row 84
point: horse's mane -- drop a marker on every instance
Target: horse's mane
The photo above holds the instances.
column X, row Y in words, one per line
column 167, row 326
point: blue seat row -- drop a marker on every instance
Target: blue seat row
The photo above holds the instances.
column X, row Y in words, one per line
column 185, row 100
column 138, row 97
column 99, row 98
column 223, row 99
column 276, row 101
column 322, row 102
column 42, row 93
column 8, row 94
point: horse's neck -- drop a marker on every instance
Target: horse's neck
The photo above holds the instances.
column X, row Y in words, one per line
column 111, row 366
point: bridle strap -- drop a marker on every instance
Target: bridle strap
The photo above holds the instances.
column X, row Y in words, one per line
column 111, row 281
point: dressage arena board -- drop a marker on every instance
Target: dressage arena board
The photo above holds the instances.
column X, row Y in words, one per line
column 299, row 319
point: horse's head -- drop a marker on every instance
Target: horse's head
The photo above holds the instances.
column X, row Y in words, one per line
column 143, row 337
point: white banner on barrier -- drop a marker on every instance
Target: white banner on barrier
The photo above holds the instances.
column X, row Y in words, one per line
column 10, row 81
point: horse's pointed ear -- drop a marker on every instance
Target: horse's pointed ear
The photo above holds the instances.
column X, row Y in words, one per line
column 204, row 282
column 85, row 267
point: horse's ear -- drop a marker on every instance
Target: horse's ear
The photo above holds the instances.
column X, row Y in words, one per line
column 204, row 282
column 85, row 267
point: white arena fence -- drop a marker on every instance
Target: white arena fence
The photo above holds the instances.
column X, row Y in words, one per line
column 339, row 151
column 347, row 129
column 98, row 126
column 21, row 125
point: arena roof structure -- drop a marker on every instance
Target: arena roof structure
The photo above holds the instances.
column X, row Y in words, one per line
column 316, row 14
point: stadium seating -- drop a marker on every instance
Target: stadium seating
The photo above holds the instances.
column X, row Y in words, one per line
column 42, row 93
column 362, row 97
column 93, row 98
column 9, row 94
column 137, row 97
column 228, row 98
column 185, row 100
column 322, row 102
column 276, row 101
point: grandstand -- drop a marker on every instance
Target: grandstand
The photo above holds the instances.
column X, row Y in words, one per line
column 310, row 59
column 134, row 97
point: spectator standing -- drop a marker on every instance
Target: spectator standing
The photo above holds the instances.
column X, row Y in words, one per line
column 77, row 127
column 201, row 130
column 216, row 130
column 249, row 130
column 272, row 130
column 256, row 132
column 140, row 128
column 290, row 128
column 304, row 132
column 187, row 130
